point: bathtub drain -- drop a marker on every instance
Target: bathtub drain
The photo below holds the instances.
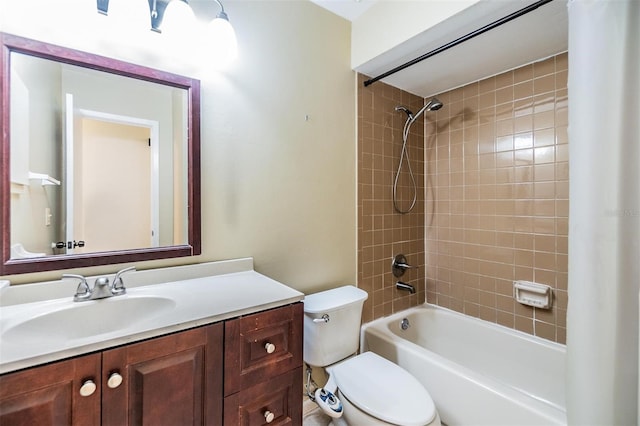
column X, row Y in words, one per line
column 404, row 324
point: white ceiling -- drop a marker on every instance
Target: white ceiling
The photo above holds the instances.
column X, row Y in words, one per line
column 348, row 9
column 528, row 38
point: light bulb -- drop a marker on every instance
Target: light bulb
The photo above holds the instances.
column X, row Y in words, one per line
column 132, row 15
column 224, row 45
column 178, row 21
column 179, row 32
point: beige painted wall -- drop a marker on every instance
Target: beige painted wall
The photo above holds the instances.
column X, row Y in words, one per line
column 278, row 131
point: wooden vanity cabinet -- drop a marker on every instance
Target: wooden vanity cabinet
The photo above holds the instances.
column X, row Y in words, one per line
column 171, row 380
column 50, row 395
column 243, row 371
column 263, row 368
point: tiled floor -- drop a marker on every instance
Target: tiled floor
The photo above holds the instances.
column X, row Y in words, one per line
column 312, row 415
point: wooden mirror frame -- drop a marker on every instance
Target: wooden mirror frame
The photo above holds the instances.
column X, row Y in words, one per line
column 11, row 43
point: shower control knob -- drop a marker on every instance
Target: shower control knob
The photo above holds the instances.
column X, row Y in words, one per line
column 270, row 347
column 399, row 265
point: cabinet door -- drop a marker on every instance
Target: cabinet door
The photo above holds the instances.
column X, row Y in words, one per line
column 277, row 401
column 170, row 380
column 261, row 346
column 51, row 394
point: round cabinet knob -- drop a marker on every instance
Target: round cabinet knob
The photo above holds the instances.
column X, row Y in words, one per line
column 114, row 380
column 269, row 416
column 270, row 348
column 87, row 388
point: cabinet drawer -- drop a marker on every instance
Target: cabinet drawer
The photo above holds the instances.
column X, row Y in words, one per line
column 261, row 346
column 277, row 401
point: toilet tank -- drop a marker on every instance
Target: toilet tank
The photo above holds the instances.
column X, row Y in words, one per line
column 326, row 342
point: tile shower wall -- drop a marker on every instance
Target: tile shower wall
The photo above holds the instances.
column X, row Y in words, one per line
column 498, row 197
column 382, row 232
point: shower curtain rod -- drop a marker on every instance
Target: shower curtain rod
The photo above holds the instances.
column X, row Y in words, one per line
column 492, row 25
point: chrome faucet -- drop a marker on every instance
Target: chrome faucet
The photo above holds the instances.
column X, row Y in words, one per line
column 404, row 286
column 399, row 265
column 83, row 292
column 101, row 288
column 117, row 288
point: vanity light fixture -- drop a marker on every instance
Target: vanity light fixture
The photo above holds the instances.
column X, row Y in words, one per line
column 219, row 30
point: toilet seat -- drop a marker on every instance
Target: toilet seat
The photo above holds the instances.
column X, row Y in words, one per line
column 384, row 390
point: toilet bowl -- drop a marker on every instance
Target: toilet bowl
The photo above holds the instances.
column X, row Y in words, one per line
column 371, row 390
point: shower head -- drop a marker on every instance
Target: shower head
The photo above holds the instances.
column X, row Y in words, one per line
column 434, row 104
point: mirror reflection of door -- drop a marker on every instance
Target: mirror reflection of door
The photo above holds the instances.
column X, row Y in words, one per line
column 114, row 183
column 115, row 188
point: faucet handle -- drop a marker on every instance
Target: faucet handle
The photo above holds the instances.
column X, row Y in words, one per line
column 118, row 284
column 399, row 265
column 83, row 292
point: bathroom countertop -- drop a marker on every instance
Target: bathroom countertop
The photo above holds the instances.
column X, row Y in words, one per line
column 198, row 301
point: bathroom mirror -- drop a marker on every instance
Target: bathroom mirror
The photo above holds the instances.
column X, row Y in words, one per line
column 100, row 160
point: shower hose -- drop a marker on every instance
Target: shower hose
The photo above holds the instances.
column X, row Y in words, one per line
column 404, row 156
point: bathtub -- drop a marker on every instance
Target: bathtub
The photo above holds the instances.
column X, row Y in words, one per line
column 477, row 372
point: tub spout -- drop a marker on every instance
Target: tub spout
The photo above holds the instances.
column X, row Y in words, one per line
column 404, row 286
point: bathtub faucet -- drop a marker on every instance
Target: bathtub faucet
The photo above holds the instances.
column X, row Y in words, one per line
column 404, row 286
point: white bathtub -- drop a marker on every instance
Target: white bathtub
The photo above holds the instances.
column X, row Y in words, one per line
column 478, row 373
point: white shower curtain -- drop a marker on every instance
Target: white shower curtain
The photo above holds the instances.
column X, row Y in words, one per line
column 604, row 217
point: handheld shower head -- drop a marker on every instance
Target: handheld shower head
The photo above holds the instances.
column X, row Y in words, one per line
column 434, row 104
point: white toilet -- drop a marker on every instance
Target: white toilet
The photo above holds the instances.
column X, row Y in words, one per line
column 371, row 390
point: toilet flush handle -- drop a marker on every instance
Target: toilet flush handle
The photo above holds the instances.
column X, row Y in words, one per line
column 324, row 318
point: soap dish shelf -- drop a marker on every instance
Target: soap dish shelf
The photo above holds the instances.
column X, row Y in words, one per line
column 533, row 294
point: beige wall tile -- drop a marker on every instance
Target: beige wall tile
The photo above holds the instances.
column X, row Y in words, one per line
column 521, row 185
column 497, row 198
column 382, row 232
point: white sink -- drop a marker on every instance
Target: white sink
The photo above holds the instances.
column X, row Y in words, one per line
column 78, row 320
column 40, row 325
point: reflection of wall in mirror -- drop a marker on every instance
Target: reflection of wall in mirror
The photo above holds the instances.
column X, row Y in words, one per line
column 34, row 90
column 180, row 158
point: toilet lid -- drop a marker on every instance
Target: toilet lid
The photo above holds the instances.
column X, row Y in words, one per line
column 384, row 390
